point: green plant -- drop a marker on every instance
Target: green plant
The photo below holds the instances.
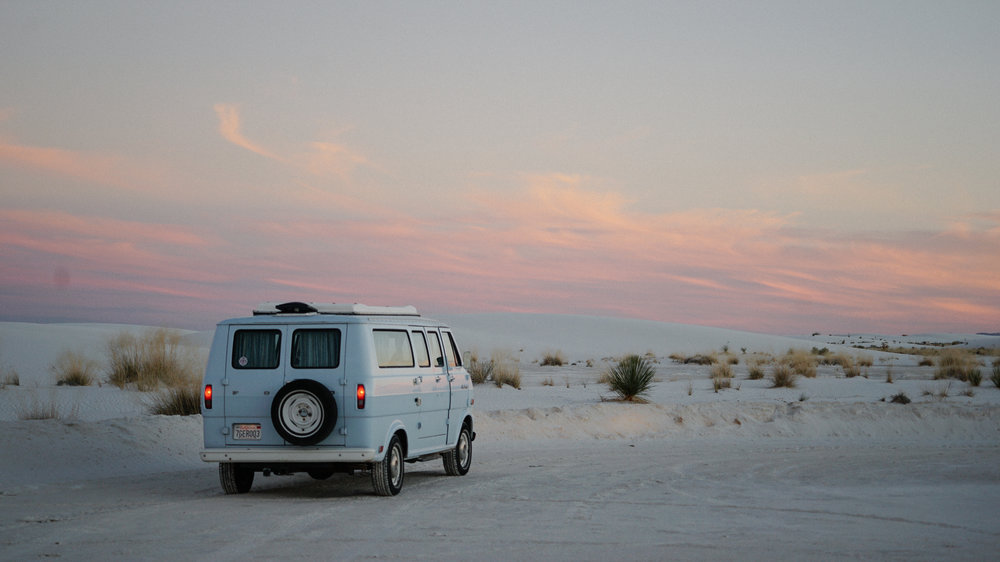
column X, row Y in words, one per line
column 184, row 400
column 782, row 376
column 631, row 378
column 995, row 379
column 900, row 398
column 73, row 368
column 974, row 376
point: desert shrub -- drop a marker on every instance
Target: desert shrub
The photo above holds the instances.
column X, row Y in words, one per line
column 865, row 360
column 553, row 358
column 801, row 362
column 733, row 360
column 755, row 371
column 782, row 376
column 700, row 359
column 549, row 382
column 183, row 400
column 505, row 369
column 851, row 370
column 926, row 362
column 631, row 377
column 838, row 359
column 974, row 376
column 479, row 370
column 995, row 379
column 9, row 377
column 148, row 361
column 73, row 368
column 900, row 398
column 954, row 364
column 722, row 376
column 38, row 411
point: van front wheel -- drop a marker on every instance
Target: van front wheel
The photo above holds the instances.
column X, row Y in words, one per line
column 387, row 475
column 458, row 460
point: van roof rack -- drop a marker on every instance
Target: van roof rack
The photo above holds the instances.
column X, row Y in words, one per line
column 357, row 309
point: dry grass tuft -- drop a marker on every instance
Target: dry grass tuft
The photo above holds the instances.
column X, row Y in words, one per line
column 782, row 376
column 995, row 379
column 801, row 362
column 506, row 369
column 553, row 358
column 73, row 368
column 722, row 376
column 156, row 358
column 184, row 400
column 955, row 364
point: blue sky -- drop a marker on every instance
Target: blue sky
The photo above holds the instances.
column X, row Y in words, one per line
column 776, row 166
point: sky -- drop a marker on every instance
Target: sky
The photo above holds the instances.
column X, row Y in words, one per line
column 778, row 167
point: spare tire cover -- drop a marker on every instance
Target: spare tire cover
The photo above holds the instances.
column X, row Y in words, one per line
column 304, row 412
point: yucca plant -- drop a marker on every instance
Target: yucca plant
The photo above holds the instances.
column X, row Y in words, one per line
column 631, row 378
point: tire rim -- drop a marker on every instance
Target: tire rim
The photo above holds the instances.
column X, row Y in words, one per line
column 301, row 413
column 463, row 449
column 395, row 468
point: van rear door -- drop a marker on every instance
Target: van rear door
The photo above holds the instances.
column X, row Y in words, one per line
column 261, row 360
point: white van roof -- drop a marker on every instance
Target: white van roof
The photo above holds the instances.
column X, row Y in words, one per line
column 356, row 309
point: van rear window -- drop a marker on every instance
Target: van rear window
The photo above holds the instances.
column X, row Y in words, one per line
column 316, row 349
column 256, row 349
column 392, row 348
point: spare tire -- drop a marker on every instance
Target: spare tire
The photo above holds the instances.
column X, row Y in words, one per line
column 303, row 412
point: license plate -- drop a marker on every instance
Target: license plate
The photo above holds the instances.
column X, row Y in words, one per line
column 246, row 431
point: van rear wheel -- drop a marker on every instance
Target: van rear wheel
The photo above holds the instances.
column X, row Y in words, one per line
column 235, row 478
column 458, row 460
column 387, row 475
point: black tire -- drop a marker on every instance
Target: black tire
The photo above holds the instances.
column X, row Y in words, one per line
column 320, row 473
column 387, row 475
column 303, row 412
column 235, row 478
column 458, row 460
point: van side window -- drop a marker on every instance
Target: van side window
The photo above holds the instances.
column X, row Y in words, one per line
column 256, row 349
column 316, row 349
column 437, row 358
column 392, row 348
column 454, row 358
column 420, row 346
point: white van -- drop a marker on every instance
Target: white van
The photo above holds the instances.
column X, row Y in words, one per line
column 324, row 388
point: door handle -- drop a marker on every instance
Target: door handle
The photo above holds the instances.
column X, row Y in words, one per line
column 418, row 401
column 438, row 379
column 418, row 380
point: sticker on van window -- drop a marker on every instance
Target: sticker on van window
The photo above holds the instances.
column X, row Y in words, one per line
column 243, row 361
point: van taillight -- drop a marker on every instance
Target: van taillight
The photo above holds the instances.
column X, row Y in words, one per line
column 208, row 397
column 361, row 397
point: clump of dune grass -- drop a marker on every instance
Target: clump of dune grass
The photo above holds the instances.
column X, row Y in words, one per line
column 995, row 379
column 479, row 370
column 755, row 371
column 631, row 378
column 150, row 360
column 722, row 376
column 553, row 358
column 974, row 376
column 506, row 369
column 782, row 376
column 865, row 360
column 954, row 364
column 801, row 362
column 73, row 368
column 183, row 400
column 926, row 362
column 9, row 377
column 900, row 398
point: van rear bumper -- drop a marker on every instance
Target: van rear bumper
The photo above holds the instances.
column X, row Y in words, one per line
column 287, row 454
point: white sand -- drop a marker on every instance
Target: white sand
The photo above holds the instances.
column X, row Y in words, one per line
column 824, row 470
